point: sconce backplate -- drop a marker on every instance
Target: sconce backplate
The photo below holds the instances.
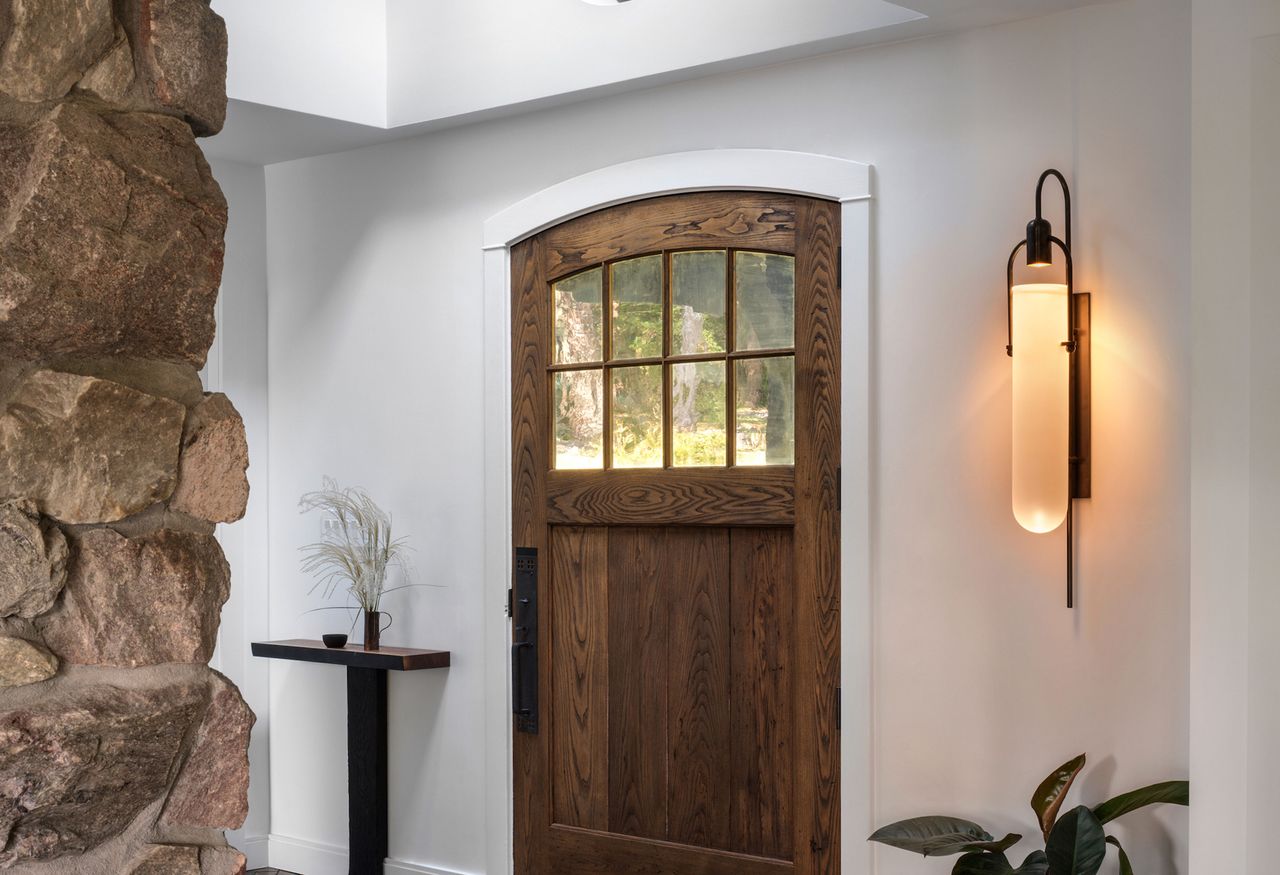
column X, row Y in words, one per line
column 1081, row 401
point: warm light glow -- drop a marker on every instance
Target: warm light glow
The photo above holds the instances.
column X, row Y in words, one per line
column 1041, row 405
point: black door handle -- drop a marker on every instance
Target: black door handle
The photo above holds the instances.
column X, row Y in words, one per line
column 524, row 647
column 521, row 682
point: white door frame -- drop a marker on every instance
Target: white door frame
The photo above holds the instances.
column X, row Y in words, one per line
column 800, row 173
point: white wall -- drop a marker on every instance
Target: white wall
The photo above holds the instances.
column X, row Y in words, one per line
column 1264, row 566
column 324, row 57
column 238, row 366
column 984, row 680
column 1235, row 430
column 1235, row 477
column 551, row 49
column 1264, row 796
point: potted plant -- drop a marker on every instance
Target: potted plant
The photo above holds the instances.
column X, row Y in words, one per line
column 356, row 550
column 1075, row 843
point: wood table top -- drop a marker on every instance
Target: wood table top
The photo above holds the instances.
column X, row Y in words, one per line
column 389, row 658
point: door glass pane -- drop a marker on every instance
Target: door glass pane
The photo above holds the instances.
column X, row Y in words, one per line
column 765, row 411
column 697, row 413
column 697, row 302
column 637, row 416
column 636, row 290
column 579, row 318
column 765, row 296
column 579, row 419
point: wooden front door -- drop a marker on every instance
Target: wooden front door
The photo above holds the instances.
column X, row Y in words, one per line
column 676, row 449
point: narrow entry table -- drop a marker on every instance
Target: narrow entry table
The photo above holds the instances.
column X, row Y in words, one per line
column 366, row 732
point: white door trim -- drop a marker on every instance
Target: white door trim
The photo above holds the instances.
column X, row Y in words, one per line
column 848, row 182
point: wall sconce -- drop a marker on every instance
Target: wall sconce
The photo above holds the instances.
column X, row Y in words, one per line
column 1049, row 345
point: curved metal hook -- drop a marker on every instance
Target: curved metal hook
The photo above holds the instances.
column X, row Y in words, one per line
column 1066, row 199
column 1009, row 297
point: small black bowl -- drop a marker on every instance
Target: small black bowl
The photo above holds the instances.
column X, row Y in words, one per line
column 335, row 640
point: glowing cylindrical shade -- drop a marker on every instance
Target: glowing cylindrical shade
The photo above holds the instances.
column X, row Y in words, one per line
column 1041, row 406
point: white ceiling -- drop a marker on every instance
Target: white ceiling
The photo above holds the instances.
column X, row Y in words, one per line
column 313, row 76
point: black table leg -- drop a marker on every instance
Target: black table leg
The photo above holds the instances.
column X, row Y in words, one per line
column 367, row 769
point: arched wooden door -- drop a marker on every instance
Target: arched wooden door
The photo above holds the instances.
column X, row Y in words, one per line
column 676, row 450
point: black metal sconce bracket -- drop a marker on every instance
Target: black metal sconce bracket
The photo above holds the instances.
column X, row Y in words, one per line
column 1080, row 471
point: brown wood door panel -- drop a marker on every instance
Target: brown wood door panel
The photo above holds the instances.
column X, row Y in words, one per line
column 690, row 497
column 762, row 691
column 638, row 624
column 689, row 617
column 698, row 646
column 580, row 676
column 531, row 310
column 745, row 220
column 670, row 693
column 585, row 852
column 817, row 536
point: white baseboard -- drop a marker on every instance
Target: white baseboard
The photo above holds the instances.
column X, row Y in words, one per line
column 255, row 850
column 306, row 857
column 400, row 867
column 317, row 858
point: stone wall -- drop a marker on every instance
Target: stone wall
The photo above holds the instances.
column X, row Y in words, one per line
column 120, row 750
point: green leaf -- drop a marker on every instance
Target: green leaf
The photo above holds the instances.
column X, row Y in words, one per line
column 983, row 864
column 1125, row 868
column 1077, row 844
column 1048, row 798
column 932, row 836
column 994, row 847
column 1172, row 792
column 1035, row 864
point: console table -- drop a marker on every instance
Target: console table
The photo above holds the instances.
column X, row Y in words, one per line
column 366, row 732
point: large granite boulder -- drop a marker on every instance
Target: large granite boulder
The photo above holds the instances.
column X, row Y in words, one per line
column 176, row 381
column 212, row 790
column 33, row 561
column 46, row 45
column 168, row 860
column 77, row 767
column 24, row 662
column 221, row 861
column 212, row 484
column 112, row 77
column 87, row 450
column 112, row 241
column 147, row 600
column 180, row 60
column 188, row 860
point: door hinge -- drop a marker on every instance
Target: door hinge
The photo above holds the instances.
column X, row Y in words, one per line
column 839, row 267
column 839, row 488
column 510, row 601
column 839, row 708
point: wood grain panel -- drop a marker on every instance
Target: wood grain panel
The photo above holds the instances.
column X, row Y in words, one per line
column 817, row 538
column 698, row 686
column 580, row 676
column 530, row 314
column 717, row 219
column 586, row 852
column 696, row 497
column 762, row 565
column 637, row 685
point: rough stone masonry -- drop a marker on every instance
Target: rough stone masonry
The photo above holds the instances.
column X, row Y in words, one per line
column 121, row 751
